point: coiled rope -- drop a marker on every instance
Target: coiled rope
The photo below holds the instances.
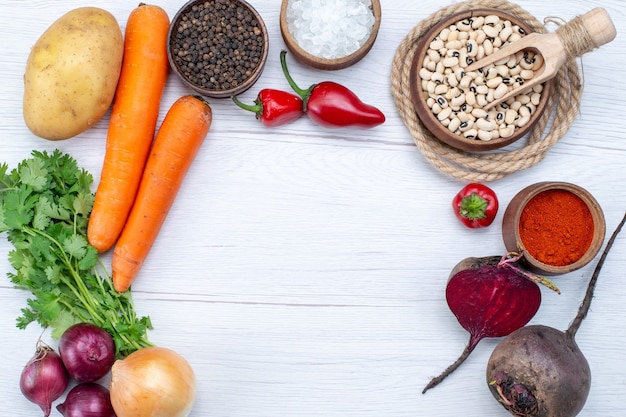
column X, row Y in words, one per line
column 562, row 108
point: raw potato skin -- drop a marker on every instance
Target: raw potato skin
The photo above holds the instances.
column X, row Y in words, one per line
column 540, row 353
column 72, row 73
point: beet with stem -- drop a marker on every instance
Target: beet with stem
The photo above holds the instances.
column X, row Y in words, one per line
column 539, row 371
column 490, row 297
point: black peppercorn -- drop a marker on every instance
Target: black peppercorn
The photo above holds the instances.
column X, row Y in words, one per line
column 217, row 45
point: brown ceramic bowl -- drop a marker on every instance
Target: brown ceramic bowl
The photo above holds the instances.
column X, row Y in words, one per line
column 201, row 82
column 324, row 63
column 511, row 223
column 420, row 96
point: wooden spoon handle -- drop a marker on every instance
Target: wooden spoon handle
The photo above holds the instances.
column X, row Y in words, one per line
column 586, row 32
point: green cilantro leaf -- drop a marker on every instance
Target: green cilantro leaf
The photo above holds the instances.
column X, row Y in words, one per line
column 45, row 205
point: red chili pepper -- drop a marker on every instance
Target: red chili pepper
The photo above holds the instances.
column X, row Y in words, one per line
column 333, row 105
column 475, row 205
column 274, row 107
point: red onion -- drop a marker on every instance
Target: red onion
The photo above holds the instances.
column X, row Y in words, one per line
column 87, row 351
column 44, row 378
column 87, row 400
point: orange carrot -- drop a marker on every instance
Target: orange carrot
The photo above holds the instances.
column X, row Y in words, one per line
column 183, row 130
column 133, row 122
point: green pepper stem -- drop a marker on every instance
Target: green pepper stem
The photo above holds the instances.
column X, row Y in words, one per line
column 304, row 94
column 255, row 108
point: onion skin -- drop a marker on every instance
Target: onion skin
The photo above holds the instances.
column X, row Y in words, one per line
column 87, row 400
column 87, row 351
column 44, row 378
column 152, row 382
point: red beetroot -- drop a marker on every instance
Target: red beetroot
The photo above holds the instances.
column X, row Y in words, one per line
column 490, row 297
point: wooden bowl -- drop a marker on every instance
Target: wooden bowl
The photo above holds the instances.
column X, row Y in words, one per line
column 203, row 72
column 324, row 63
column 420, row 96
column 511, row 222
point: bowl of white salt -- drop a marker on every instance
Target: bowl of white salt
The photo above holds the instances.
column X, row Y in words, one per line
column 329, row 34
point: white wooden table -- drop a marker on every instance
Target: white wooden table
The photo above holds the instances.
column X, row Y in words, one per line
column 302, row 270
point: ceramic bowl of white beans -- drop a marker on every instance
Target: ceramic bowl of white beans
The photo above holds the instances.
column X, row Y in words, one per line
column 451, row 102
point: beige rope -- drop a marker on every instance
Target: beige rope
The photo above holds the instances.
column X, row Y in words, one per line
column 562, row 108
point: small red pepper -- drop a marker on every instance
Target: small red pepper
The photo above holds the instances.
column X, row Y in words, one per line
column 475, row 205
column 274, row 107
column 333, row 105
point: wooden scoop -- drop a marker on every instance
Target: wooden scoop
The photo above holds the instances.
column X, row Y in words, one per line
column 577, row 37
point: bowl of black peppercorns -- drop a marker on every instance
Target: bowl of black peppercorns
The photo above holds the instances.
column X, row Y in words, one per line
column 218, row 47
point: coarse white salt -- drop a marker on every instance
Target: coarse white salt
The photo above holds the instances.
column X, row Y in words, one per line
column 330, row 29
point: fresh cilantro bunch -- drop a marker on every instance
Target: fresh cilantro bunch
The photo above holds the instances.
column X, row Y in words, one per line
column 44, row 208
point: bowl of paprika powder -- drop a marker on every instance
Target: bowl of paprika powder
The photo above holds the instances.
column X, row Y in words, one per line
column 558, row 227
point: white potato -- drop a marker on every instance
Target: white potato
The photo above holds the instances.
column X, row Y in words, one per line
column 72, row 73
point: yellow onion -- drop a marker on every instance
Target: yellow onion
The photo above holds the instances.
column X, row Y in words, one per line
column 152, row 382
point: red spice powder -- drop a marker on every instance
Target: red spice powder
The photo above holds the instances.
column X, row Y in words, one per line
column 556, row 227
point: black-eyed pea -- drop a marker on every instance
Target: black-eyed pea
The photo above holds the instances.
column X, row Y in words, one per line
column 527, row 74
column 470, row 133
column 449, row 61
column 535, row 98
column 436, row 77
column 444, row 34
column 436, row 108
column 502, row 70
column 462, row 115
column 506, row 131
column 425, row 74
column 471, row 47
column 485, row 124
column 523, row 121
column 444, row 114
column 497, row 43
column 454, row 124
column 478, row 113
column 481, row 36
column 478, row 22
column 465, row 126
column 490, row 95
column 511, row 62
column 538, row 88
column 524, row 111
column 494, row 82
column 454, row 33
column 515, row 71
column 516, row 104
column 505, row 33
column 500, row 91
column 470, row 98
column 430, row 88
column 484, row 135
column 445, row 122
column 491, row 31
column 433, row 55
column 430, row 102
column 491, row 19
column 437, row 44
column 482, row 89
column 514, row 37
column 531, row 107
column 458, row 100
column 440, row 89
column 466, row 81
column 464, row 25
column 454, row 44
column 538, row 62
column 523, row 98
column 510, row 116
column 488, row 46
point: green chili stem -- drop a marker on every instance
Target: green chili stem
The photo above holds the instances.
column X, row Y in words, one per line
column 301, row 92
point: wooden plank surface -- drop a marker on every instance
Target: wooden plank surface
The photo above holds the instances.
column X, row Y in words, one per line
column 301, row 270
